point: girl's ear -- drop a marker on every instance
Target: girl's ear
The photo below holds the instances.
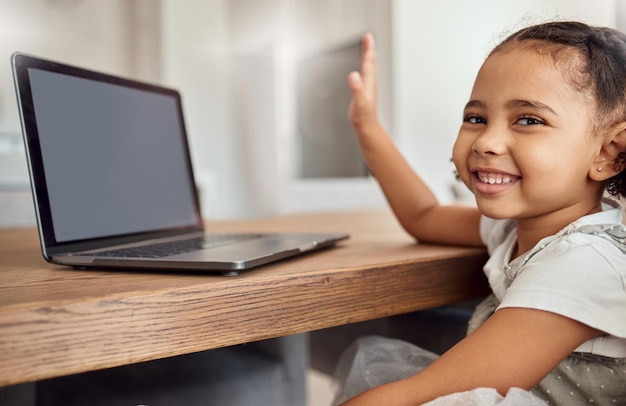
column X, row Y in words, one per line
column 604, row 165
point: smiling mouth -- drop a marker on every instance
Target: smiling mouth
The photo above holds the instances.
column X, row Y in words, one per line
column 495, row 178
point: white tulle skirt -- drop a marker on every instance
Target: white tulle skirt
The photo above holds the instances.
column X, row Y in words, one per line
column 373, row 361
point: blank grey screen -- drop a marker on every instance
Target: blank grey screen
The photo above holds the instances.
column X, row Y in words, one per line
column 114, row 157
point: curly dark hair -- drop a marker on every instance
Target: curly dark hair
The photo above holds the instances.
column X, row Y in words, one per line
column 601, row 70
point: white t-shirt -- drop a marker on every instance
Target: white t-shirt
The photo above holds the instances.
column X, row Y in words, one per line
column 579, row 273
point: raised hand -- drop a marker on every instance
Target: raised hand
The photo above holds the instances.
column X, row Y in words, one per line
column 363, row 107
column 412, row 201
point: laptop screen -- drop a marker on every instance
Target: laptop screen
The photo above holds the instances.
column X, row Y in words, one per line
column 114, row 157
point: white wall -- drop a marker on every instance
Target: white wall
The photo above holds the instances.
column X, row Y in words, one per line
column 195, row 59
column 438, row 49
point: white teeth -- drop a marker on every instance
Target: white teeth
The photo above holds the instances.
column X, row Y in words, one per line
column 494, row 178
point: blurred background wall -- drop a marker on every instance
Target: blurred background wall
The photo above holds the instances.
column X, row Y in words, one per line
column 263, row 85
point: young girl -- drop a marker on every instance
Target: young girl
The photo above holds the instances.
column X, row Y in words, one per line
column 543, row 137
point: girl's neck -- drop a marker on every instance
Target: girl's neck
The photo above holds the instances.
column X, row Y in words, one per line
column 531, row 231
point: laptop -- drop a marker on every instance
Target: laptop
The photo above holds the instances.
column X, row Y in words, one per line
column 112, row 178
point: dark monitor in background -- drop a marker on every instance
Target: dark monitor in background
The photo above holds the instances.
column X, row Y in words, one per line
column 329, row 148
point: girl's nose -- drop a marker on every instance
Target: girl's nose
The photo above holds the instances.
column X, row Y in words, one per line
column 490, row 142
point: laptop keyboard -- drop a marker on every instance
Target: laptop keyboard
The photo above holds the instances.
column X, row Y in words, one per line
column 173, row 247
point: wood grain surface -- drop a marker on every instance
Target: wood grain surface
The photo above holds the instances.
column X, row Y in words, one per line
column 56, row 321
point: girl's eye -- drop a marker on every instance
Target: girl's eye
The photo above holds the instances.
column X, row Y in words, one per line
column 529, row 120
column 472, row 119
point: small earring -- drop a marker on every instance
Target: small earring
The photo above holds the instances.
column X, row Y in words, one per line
column 599, row 169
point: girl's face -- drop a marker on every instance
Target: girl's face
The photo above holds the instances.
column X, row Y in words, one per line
column 525, row 147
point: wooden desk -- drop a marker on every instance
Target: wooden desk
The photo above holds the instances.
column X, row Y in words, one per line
column 56, row 321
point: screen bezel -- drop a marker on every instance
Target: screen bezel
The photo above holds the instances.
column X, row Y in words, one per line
column 21, row 64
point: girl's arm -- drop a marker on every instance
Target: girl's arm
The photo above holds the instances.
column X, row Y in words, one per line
column 413, row 203
column 515, row 347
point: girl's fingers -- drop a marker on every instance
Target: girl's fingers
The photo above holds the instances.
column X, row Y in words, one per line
column 362, row 108
column 355, row 82
column 368, row 62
